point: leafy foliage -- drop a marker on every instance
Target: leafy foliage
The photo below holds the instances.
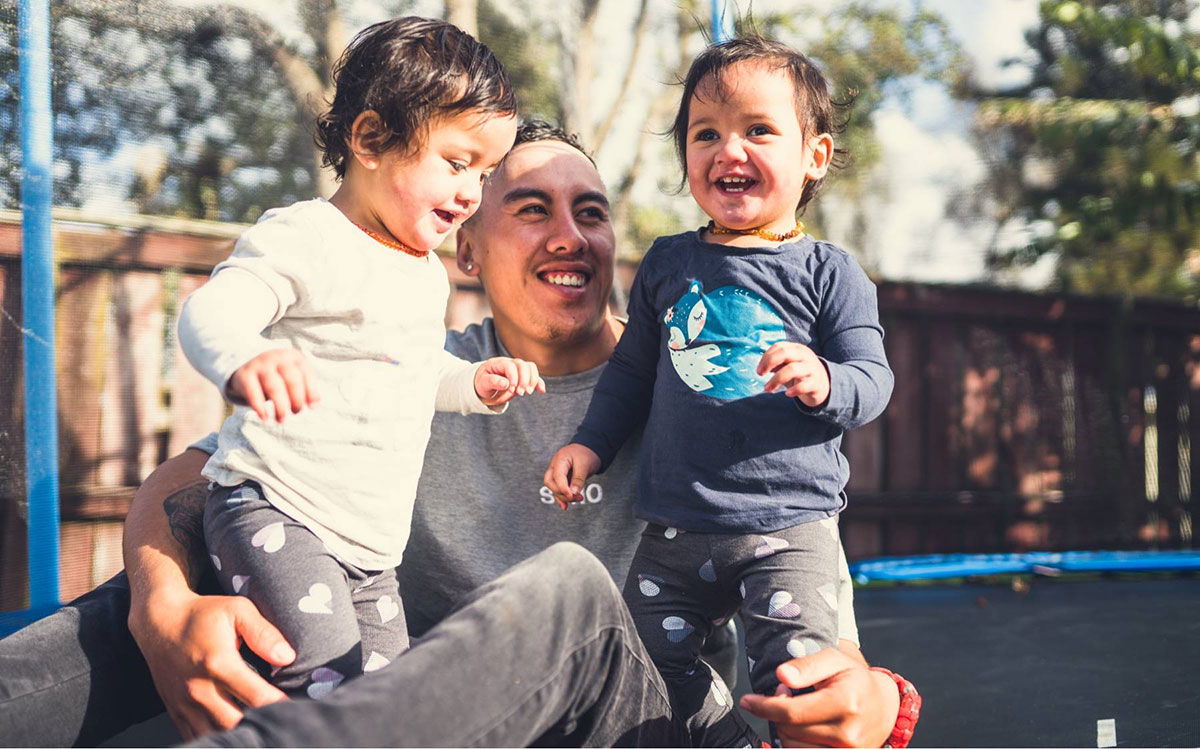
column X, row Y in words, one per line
column 1100, row 151
column 868, row 51
column 530, row 61
column 213, row 108
column 210, row 129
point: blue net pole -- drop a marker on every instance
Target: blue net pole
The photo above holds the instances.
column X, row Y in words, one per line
column 37, row 302
column 718, row 26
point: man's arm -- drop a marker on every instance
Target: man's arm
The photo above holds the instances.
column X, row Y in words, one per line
column 190, row 641
column 164, row 541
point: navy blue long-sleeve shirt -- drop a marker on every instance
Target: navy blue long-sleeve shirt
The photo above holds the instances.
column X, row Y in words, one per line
column 718, row 454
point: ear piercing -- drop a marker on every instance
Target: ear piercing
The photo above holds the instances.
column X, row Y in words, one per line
column 469, row 266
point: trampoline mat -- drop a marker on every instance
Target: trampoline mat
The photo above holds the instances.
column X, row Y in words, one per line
column 1040, row 668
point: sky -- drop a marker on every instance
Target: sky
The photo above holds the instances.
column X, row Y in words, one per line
column 926, row 146
column 927, row 152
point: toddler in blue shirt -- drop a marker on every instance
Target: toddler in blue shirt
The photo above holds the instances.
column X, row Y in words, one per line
column 750, row 348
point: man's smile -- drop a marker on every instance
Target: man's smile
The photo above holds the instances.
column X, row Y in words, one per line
column 565, row 279
column 570, row 278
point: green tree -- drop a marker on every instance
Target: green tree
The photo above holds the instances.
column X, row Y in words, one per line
column 868, row 52
column 529, row 60
column 216, row 104
column 83, row 122
column 1098, row 152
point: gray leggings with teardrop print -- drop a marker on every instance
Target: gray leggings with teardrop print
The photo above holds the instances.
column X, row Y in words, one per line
column 682, row 585
column 341, row 620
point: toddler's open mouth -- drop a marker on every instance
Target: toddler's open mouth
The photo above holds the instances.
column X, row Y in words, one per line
column 734, row 185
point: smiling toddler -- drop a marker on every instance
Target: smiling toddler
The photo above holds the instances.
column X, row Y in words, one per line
column 750, row 348
column 310, row 505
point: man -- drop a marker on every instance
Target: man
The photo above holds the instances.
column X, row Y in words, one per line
column 542, row 246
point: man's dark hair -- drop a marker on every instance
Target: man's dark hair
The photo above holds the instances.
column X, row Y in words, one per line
column 410, row 71
column 536, row 129
column 815, row 108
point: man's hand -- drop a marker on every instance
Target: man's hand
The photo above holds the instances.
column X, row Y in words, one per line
column 569, row 469
column 191, row 646
column 281, row 376
column 851, row 705
column 797, row 368
column 500, row 379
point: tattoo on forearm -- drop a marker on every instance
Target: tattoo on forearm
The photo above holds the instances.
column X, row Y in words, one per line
column 185, row 516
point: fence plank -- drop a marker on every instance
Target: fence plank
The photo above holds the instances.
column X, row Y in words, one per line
column 13, row 572
column 131, row 394
column 904, row 414
column 196, row 406
column 942, row 441
column 1187, row 497
column 1169, row 363
column 980, row 420
column 83, row 351
column 863, row 448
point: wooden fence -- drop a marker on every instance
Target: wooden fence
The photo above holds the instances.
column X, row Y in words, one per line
column 127, row 397
column 1025, row 421
column 1019, row 421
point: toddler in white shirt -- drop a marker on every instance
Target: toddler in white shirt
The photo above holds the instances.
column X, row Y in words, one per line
column 310, row 509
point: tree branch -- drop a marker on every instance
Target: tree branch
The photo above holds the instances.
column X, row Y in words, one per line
column 158, row 18
column 640, row 26
column 579, row 44
column 659, row 109
column 166, row 21
column 324, row 26
column 463, row 14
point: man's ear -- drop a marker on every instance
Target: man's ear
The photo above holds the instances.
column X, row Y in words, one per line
column 821, row 155
column 464, row 251
column 366, row 139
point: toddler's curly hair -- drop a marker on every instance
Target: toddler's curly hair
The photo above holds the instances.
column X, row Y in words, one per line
column 410, row 71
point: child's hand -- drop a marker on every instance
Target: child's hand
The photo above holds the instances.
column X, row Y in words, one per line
column 281, row 376
column 499, row 380
column 569, row 469
column 798, row 369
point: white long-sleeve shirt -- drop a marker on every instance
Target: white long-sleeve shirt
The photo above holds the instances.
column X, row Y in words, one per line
column 370, row 322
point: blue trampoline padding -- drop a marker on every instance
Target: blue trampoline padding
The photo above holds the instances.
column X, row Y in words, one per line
column 938, row 566
column 11, row 621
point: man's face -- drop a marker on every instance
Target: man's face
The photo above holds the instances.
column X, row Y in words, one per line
column 542, row 244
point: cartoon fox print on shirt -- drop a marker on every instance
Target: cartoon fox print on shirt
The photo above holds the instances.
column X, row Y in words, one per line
column 717, row 339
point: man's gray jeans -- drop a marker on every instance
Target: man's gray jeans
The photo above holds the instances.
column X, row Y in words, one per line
column 546, row 654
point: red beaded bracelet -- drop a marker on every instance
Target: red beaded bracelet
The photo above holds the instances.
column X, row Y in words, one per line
column 906, row 717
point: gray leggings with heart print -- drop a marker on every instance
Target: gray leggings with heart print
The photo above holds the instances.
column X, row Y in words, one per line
column 341, row 620
column 682, row 585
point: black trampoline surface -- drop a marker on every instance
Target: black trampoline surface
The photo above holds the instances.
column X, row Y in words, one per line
column 1002, row 669
column 1040, row 668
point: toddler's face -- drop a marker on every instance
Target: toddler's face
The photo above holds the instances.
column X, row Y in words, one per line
column 747, row 155
column 422, row 197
